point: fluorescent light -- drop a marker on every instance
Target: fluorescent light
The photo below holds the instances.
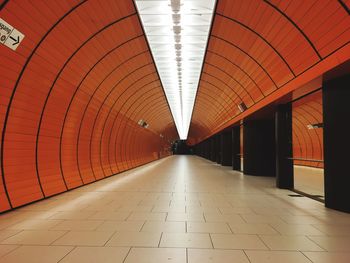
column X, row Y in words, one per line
column 177, row 31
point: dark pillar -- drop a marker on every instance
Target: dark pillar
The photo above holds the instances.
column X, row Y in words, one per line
column 226, row 148
column 213, row 149
column 218, row 148
column 259, row 156
column 336, row 112
column 284, row 147
column 236, row 148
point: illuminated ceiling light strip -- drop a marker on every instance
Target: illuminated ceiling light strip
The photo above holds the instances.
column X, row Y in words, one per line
column 177, row 31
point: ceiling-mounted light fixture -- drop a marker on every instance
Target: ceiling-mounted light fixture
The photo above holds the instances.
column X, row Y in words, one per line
column 242, row 107
column 143, row 124
column 177, row 31
column 314, row 126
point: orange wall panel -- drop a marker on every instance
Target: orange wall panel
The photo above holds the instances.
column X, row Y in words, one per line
column 73, row 93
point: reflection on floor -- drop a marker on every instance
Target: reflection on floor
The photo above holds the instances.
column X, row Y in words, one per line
column 309, row 180
column 179, row 209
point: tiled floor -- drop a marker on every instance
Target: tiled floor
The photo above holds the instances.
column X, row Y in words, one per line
column 309, row 180
column 179, row 209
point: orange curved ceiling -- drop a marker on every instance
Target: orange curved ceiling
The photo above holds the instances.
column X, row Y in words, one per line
column 259, row 50
column 74, row 91
column 72, row 96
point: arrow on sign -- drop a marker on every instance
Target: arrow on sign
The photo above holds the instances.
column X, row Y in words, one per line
column 16, row 40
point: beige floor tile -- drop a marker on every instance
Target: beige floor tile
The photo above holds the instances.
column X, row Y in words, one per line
column 214, row 227
column 84, row 238
column 227, row 218
column 328, row 257
column 332, row 243
column 236, row 210
column 297, row 243
column 202, row 209
column 185, row 217
column 135, row 239
column 150, row 255
column 143, row 216
column 110, row 215
column 333, row 230
column 188, row 240
column 161, row 202
column 227, row 241
column 6, row 233
column 155, row 226
column 34, row 237
column 216, row 256
column 36, row 254
column 35, row 224
column 73, row 215
column 276, row 257
column 169, row 209
column 135, row 208
column 5, row 249
column 296, row 229
column 83, row 225
column 121, row 226
column 97, row 255
column 254, row 229
column 261, row 219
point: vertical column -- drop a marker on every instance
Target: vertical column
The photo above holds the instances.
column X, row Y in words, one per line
column 226, row 148
column 259, row 148
column 336, row 112
column 284, row 147
column 213, row 149
column 236, row 148
column 218, row 148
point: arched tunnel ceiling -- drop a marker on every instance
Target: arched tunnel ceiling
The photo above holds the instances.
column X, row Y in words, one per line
column 259, row 50
column 72, row 95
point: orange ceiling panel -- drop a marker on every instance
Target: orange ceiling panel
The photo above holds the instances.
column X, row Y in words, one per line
column 259, row 50
column 72, row 95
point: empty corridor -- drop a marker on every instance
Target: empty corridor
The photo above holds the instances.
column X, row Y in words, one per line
column 178, row 209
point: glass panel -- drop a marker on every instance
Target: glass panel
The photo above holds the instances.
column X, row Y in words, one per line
column 308, row 144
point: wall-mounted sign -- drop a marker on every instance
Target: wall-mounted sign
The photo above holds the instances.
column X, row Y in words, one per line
column 10, row 36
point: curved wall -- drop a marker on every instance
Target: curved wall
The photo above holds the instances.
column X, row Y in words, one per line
column 260, row 50
column 308, row 143
column 71, row 97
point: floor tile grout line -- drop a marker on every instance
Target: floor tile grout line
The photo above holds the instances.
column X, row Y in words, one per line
column 303, row 253
column 324, row 250
column 211, row 240
column 245, row 253
column 127, row 254
column 260, row 238
column 74, row 248
column 160, row 239
column 108, row 239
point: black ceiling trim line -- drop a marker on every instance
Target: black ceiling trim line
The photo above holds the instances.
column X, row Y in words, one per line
column 344, row 6
column 74, row 94
column 296, row 26
column 261, row 37
column 252, row 58
column 15, row 89
column 204, row 59
column 232, row 78
column 234, row 64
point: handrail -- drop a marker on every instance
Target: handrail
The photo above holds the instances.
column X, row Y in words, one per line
column 307, row 160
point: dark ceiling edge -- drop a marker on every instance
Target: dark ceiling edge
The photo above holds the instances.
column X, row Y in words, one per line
column 3, row 4
column 295, row 25
column 205, row 56
column 155, row 65
column 344, row 6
